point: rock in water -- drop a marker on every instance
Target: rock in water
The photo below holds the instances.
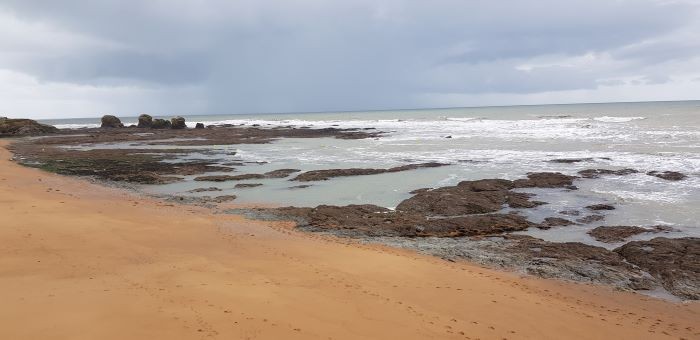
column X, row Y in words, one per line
column 612, row 234
column 21, row 127
column 667, row 175
column 145, row 121
column 178, row 123
column 675, row 262
column 109, row 121
column 160, row 124
column 199, row 126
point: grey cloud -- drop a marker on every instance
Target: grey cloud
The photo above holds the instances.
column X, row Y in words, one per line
column 309, row 55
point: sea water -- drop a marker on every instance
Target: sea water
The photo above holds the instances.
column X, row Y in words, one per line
column 487, row 142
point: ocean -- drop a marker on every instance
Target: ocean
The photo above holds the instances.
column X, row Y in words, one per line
column 482, row 142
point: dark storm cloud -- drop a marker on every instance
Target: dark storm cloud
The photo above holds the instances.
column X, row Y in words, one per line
column 252, row 56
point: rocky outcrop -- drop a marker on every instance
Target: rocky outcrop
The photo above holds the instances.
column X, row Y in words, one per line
column 161, row 124
column 596, row 207
column 280, row 173
column 595, row 173
column 668, row 175
column 372, row 220
column 613, row 234
column 247, row 185
column 675, row 262
column 178, row 123
column 109, row 121
column 590, row 219
column 145, row 121
column 322, row 175
column 481, row 196
column 23, row 127
column 225, row 178
column 199, row 126
column 550, row 222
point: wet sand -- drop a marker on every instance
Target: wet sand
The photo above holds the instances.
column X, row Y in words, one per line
column 82, row 261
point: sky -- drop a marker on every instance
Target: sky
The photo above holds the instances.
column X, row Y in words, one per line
column 73, row 58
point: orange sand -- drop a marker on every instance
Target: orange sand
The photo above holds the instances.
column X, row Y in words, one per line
column 90, row 262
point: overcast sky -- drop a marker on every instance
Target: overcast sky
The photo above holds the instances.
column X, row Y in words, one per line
column 75, row 58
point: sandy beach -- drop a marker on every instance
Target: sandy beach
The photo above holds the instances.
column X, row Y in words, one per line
column 83, row 261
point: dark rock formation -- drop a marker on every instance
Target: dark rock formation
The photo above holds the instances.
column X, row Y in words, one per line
column 205, row 189
column 570, row 212
column 247, row 185
column 224, row 178
column 571, row 160
column 546, row 180
column 178, row 123
column 23, row 127
column 222, row 199
column 595, row 173
column 668, row 175
column 280, row 173
column 550, row 222
column 596, row 207
column 199, row 126
column 675, row 262
column 613, row 234
column 161, row 124
column 145, row 121
column 109, row 121
column 372, row 220
column 300, row 186
column 322, row 175
column 590, row 219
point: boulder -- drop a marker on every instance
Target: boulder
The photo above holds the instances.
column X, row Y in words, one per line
column 178, row 123
column 595, row 173
column 109, row 121
column 668, row 175
column 22, row 127
column 145, row 121
column 675, row 262
column 613, row 234
column 160, row 124
column 199, row 126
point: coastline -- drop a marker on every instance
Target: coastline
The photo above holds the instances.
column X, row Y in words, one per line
column 82, row 260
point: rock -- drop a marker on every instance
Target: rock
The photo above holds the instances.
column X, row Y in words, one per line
column 596, row 207
column 23, row 127
column 668, row 175
column 613, row 234
column 145, row 121
column 300, row 186
column 595, row 173
column 570, row 212
column 546, row 180
column 675, row 262
column 109, row 121
column 590, row 219
column 467, row 197
column 550, row 222
column 178, row 123
column 205, row 189
column 199, row 126
column 224, row 178
column 373, row 220
column 571, row 160
column 280, row 173
column 322, row 175
column 247, row 185
column 222, row 199
column 418, row 191
column 160, row 124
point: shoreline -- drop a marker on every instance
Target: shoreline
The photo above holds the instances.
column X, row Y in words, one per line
column 89, row 261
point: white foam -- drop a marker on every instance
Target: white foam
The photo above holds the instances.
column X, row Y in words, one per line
column 612, row 119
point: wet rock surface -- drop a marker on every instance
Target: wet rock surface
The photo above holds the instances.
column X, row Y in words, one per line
column 613, row 234
column 109, row 121
column 247, row 185
column 668, row 175
column 596, row 207
column 595, row 173
column 675, row 262
column 550, row 222
column 23, row 127
column 322, row 175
